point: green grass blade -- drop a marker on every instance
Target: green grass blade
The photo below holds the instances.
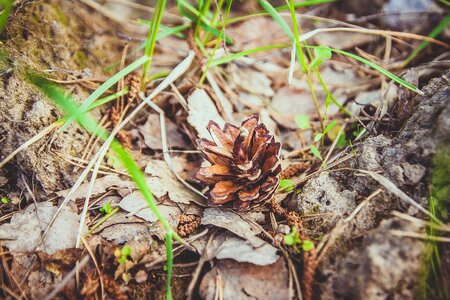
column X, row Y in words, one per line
column 304, row 4
column 216, row 32
column 376, row 67
column 7, row 7
column 438, row 29
column 151, row 39
column 169, row 254
column 107, row 85
column 278, row 8
column 276, row 16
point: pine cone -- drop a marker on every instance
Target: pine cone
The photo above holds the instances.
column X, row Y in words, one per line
column 245, row 169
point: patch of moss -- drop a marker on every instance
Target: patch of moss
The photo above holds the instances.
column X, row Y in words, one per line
column 60, row 16
column 433, row 282
column 5, row 61
column 80, row 58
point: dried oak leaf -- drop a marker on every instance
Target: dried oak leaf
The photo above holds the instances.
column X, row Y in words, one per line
column 244, row 168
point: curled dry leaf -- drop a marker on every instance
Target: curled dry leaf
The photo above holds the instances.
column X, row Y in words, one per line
column 244, row 170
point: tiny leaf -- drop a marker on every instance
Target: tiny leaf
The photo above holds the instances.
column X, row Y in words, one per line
column 316, row 152
column 307, row 245
column 126, row 250
column 5, row 200
column 289, row 240
column 320, row 55
column 329, row 127
column 286, row 183
column 318, row 137
column 106, row 208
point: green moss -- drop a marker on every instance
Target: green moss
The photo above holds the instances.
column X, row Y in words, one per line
column 60, row 16
column 5, row 61
column 80, row 58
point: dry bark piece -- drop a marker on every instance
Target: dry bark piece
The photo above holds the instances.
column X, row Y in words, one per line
column 244, row 168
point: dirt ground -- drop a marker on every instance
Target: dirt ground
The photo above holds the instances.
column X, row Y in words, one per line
column 374, row 204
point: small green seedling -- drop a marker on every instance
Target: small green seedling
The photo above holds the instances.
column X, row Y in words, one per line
column 320, row 55
column 125, row 252
column 5, row 200
column 286, row 185
column 315, row 152
column 106, row 208
column 307, row 245
column 302, row 121
column 319, row 136
column 293, row 239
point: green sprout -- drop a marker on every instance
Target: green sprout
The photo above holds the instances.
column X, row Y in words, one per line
column 293, row 239
column 5, row 200
column 320, row 55
column 125, row 252
column 321, row 135
column 315, row 152
column 106, row 208
column 286, row 184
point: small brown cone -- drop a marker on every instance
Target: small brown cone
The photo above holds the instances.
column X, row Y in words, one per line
column 244, row 169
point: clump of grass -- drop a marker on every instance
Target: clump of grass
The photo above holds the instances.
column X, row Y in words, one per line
column 434, row 277
column 151, row 39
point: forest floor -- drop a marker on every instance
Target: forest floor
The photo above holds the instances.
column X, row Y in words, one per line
column 349, row 198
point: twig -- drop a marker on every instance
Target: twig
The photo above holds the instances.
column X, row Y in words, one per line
column 391, row 187
column 206, row 256
column 100, row 276
column 422, row 236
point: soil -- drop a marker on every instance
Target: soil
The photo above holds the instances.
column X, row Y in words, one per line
column 355, row 221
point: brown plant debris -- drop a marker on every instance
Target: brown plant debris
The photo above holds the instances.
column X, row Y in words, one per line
column 293, row 170
column 244, row 168
column 188, row 224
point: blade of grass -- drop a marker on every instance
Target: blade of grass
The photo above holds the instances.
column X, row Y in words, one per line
column 276, row 16
column 376, row 67
column 168, row 31
column 7, row 7
column 151, row 39
column 107, row 85
column 219, row 40
column 438, row 29
column 279, row 8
